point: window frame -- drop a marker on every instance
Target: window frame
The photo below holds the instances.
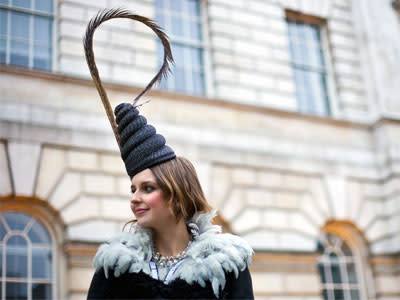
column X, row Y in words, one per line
column 332, row 104
column 342, row 262
column 52, row 44
column 203, row 44
column 357, row 243
column 55, row 255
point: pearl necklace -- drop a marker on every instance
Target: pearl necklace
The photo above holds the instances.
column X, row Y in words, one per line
column 168, row 261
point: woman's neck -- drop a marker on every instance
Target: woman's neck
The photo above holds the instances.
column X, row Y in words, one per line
column 171, row 240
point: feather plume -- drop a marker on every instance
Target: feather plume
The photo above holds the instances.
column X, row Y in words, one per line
column 94, row 23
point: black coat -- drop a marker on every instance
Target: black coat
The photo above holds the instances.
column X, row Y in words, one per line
column 143, row 286
column 207, row 272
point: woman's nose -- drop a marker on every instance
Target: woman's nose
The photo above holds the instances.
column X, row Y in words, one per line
column 135, row 197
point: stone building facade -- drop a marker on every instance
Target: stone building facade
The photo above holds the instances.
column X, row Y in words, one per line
column 299, row 154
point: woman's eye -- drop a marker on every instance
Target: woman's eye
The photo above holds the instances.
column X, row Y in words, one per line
column 148, row 189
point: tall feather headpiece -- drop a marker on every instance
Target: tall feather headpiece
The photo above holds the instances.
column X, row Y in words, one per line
column 141, row 147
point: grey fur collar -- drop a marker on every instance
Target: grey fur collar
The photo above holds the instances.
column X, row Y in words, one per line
column 209, row 257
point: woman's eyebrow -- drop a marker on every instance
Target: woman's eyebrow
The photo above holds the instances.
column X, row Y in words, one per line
column 145, row 182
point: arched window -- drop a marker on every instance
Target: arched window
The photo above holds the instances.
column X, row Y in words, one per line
column 26, row 258
column 338, row 269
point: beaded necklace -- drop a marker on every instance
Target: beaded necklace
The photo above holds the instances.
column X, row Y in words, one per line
column 168, row 261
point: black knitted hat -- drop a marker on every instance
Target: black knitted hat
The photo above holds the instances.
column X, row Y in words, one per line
column 141, row 147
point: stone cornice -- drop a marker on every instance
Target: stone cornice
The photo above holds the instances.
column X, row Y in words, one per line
column 217, row 102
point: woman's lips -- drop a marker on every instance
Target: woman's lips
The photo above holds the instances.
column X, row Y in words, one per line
column 140, row 211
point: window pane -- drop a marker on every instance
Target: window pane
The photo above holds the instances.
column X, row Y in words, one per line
column 160, row 19
column 198, row 83
column 41, row 291
column 336, row 276
column 354, row 295
column 19, row 53
column 17, row 257
column 4, row 2
column 38, row 235
column 177, row 26
column 339, row 295
column 21, row 3
column 193, row 7
column 321, row 271
column 44, row 5
column 351, row 273
column 42, row 57
column 42, row 30
column 3, row 23
column 195, row 31
column 16, row 291
column 325, row 294
column 196, row 58
column 315, row 57
column 159, row 4
column 180, row 80
column 318, row 90
column 2, row 231
column 177, row 50
column 19, row 26
column 16, row 221
column 176, row 5
column 3, row 44
column 41, row 263
column 1, row 261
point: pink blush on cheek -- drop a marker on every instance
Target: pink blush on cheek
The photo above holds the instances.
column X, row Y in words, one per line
column 155, row 200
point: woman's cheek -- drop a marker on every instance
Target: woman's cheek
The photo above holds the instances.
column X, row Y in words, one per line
column 155, row 199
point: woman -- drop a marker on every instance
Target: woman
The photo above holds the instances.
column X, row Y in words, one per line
column 172, row 250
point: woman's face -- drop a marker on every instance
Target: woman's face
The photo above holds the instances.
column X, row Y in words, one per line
column 148, row 202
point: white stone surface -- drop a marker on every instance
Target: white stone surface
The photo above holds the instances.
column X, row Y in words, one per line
column 337, row 194
column 267, row 283
column 94, row 230
column 116, row 209
column 83, row 209
column 299, row 222
column 258, row 198
column 275, row 219
column 290, row 241
column 85, row 161
column 233, row 205
column 24, row 162
column 80, row 278
column 387, row 284
column 219, row 186
column 263, row 239
column 112, row 164
column 52, row 165
column 306, row 283
column 203, row 170
column 66, row 190
column 5, row 180
column 99, row 184
column 286, row 200
column 249, row 219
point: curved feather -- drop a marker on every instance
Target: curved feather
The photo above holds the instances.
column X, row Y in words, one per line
column 94, row 23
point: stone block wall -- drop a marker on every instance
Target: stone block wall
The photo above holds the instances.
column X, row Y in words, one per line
column 276, row 177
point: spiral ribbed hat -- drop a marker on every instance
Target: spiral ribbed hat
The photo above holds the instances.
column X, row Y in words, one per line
column 141, row 147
